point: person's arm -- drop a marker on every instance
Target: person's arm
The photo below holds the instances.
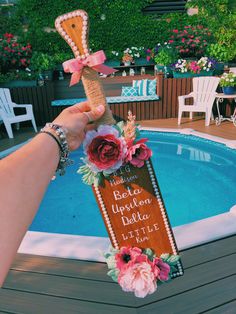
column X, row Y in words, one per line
column 25, row 175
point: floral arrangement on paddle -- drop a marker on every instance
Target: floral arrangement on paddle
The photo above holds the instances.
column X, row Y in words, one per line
column 140, row 271
column 110, row 147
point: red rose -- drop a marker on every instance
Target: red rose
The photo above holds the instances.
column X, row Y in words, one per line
column 104, row 151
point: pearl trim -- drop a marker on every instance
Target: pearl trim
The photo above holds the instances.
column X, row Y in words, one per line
column 106, row 217
column 164, row 217
column 61, row 31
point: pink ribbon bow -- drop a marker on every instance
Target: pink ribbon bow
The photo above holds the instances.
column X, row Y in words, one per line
column 94, row 61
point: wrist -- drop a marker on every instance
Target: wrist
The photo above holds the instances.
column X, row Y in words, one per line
column 58, row 133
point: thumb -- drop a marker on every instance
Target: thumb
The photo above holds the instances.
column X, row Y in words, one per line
column 96, row 113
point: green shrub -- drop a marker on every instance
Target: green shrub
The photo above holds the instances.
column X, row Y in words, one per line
column 165, row 56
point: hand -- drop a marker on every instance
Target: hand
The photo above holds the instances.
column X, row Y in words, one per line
column 75, row 121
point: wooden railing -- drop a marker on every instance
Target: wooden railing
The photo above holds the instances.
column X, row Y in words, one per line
column 167, row 107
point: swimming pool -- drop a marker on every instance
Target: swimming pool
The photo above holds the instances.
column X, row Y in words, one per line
column 197, row 177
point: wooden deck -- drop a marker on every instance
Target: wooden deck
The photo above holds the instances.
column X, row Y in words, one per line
column 38, row 284
column 226, row 129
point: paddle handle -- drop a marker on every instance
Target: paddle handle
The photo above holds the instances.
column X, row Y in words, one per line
column 95, row 94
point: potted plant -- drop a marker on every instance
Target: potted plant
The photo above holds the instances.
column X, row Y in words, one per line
column 228, row 83
column 224, row 49
column 132, row 55
column 164, row 58
column 183, row 68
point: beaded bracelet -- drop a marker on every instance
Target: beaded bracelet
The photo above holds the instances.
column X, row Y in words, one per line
column 62, row 143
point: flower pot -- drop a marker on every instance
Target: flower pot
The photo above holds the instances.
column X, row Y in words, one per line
column 143, row 61
column 189, row 74
column 112, row 63
column 229, row 90
column 19, row 83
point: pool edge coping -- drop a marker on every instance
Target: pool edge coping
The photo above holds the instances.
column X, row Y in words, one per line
column 92, row 248
column 189, row 131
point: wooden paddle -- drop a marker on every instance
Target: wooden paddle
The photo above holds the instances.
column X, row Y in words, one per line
column 130, row 200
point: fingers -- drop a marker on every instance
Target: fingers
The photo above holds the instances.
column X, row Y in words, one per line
column 80, row 107
column 97, row 112
column 88, row 115
column 93, row 114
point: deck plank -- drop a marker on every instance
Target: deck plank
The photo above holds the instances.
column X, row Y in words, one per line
column 228, row 308
column 209, row 251
column 30, row 303
column 197, row 300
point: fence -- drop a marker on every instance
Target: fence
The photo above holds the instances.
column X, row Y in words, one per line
column 167, row 107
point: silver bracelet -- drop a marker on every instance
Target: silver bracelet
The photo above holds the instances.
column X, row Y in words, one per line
column 63, row 145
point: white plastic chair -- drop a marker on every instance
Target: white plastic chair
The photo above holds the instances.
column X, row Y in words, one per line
column 203, row 94
column 7, row 114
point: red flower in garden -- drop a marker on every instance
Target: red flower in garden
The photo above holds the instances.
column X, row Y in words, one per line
column 184, row 38
column 8, row 35
column 15, row 56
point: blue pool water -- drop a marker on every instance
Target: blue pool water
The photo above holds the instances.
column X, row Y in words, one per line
column 197, row 178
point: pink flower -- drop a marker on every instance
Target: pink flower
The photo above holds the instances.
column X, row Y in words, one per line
column 175, row 31
column 126, row 255
column 138, row 153
column 171, row 41
column 104, row 148
column 148, row 58
column 138, row 278
column 163, row 269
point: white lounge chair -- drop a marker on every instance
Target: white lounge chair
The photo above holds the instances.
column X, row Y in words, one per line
column 203, row 94
column 7, row 114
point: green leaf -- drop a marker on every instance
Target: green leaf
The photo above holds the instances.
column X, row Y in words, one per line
column 173, row 259
column 170, row 259
column 149, row 253
column 165, row 256
column 119, row 126
column 113, row 273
